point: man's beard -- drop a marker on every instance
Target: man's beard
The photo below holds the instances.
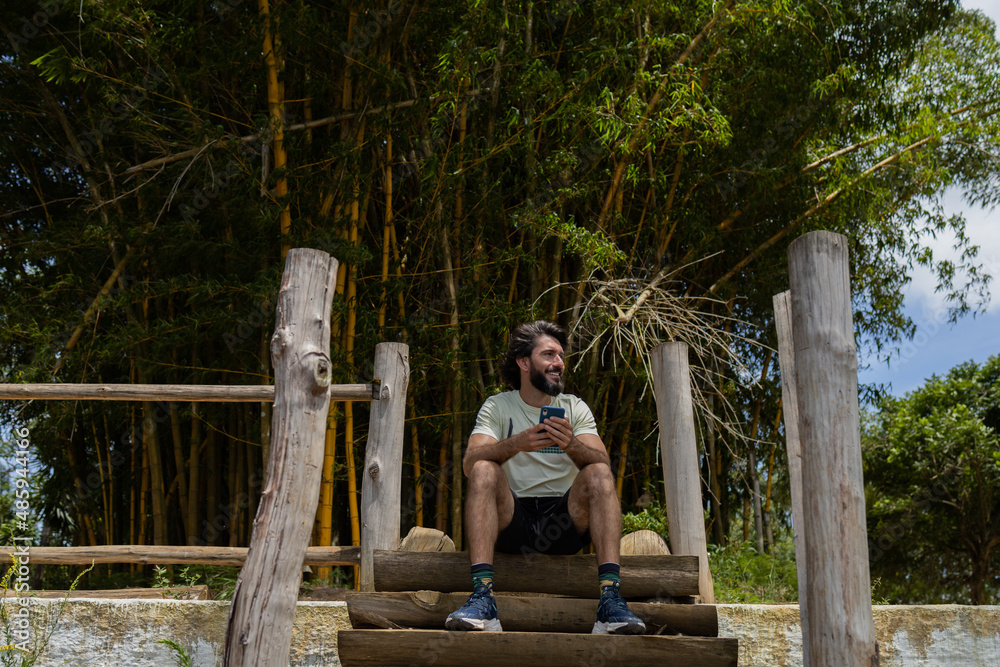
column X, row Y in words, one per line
column 543, row 384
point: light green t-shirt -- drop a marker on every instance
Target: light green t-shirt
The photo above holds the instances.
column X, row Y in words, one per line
column 549, row 471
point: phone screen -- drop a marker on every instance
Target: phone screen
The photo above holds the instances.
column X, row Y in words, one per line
column 551, row 411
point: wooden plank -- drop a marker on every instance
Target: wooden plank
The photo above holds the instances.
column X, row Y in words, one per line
column 177, row 555
column 838, row 589
column 793, row 447
column 441, row 648
column 679, row 451
column 259, row 630
column 199, row 592
column 382, row 484
column 642, row 576
column 166, row 392
column 428, row 609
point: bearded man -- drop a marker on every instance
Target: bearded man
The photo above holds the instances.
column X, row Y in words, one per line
column 539, row 483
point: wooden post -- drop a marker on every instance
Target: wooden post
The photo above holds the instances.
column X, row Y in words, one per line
column 793, row 446
column 382, row 485
column 838, row 594
column 259, row 631
column 679, row 449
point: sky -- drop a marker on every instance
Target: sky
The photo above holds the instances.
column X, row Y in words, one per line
column 937, row 346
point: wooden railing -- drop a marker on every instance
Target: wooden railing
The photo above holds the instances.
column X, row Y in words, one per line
column 260, row 620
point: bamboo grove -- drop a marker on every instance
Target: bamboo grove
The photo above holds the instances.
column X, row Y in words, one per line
column 631, row 170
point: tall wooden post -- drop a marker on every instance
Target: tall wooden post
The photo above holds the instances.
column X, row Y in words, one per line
column 679, row 450
column 838, row 594
column 382, row 485
column 259, row 631
column 793, row 445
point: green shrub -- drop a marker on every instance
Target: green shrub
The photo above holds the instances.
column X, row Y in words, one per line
column 652, row 518
column 741, row 575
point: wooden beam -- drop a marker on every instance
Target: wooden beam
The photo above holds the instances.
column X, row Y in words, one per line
column 441, row 648
column 176, row 555
column 679, row 450
column 259, row 630
column 642, row 576
column 838, row 587
column 382, row 483
column 199, row 592
column 236, row 393
column 428, row 609
column 793, row 447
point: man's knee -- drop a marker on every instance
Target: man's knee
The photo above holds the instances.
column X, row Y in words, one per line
column 485, row 473
column 598, row 479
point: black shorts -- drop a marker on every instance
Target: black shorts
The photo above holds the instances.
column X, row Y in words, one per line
column 541, row 526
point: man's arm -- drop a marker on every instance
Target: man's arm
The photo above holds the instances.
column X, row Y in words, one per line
column 485, row 447
column 582, row 449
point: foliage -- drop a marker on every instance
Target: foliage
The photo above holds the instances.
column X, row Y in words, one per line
column 180, row 653
column 932, row 475
column 652, row 518
column 742, row 575
column 221, row 580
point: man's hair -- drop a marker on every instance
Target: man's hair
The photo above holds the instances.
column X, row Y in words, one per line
column 522, row 341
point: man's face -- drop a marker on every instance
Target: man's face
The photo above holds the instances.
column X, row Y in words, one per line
column 545, row 366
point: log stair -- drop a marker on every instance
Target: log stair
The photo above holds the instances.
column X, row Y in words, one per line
column 546, row 622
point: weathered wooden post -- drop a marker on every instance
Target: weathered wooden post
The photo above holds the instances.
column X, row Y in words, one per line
column 679, row 451
column 793, row 446
column 259, row 631
column 382, row 485
column 838, row 615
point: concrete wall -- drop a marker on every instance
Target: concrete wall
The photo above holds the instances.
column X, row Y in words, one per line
column 908, row 636
column 126, row 633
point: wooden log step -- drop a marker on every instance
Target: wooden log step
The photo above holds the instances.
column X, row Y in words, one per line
column 428, row 609
column 576, row 576
column 442, row 648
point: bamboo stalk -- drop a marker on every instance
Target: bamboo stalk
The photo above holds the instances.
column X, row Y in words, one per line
column 276, row 111
column 326, row 488
column 194, row 482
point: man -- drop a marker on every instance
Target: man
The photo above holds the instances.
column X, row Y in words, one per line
column 539, row 487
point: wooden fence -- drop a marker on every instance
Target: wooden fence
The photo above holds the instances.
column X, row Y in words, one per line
column 260, row 620
column 819, row 374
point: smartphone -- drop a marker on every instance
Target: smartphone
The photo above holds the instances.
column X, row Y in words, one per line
column 551, row 411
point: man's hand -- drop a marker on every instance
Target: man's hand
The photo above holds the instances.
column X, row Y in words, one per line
column 559, row 431
column 583, row 450
column 535, row 438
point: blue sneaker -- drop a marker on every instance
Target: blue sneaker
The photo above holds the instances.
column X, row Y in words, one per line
column 478, row 613
column 613, row 615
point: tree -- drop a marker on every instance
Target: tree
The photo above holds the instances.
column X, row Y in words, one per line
column 472, row 165
column 932, row 477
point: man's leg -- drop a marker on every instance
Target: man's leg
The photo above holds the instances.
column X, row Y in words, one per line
column 593, row 502
column 489, row 508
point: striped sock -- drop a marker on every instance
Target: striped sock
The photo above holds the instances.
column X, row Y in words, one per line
column 609, row 574
column 482, row 574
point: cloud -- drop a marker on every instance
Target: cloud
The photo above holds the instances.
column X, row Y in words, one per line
column 983, row 228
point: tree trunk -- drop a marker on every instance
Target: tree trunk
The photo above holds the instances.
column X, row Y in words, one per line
column 383, row 478
column 840, row 626
column 679, row 449
column 260, row 621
